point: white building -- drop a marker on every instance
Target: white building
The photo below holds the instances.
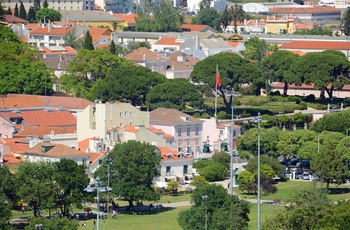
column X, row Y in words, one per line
column 193, row 5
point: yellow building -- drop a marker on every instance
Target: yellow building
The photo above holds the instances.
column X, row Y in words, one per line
column 276, row 25
column 91, row 18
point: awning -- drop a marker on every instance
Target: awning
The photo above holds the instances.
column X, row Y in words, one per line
column 170, row 177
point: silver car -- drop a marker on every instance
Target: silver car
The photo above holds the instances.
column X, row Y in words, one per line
column 306, row 176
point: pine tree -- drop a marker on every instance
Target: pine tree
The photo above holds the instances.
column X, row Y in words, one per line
column 16, row 14
column 112, row 48
column 31, row 14
column 22, row 12
column 9, row 12
column 36, row 5
column 45, row 4
column 88, row 42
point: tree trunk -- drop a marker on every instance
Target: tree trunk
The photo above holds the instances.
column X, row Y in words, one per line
column 322, row 95
column 330, row 92
column 285, row 89
column 130, row 203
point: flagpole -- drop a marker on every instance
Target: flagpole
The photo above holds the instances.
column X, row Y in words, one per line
column 216, row 99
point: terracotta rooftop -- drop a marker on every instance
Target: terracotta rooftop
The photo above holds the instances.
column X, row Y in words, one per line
column 164, row 152
column 31, row 26
column 315, row 9
column 143, row 54
column 49, row 118
column 130, row 18
column 59, row 62
column 168, row 41
column 12, row 19
column 175, row 65
column 99, row 31
column 66, row 50
column 193, row 28
column 96, row 38
column 221, row 125
column 10, row 159
column 83, row 145
column 170, row 117
column 13, row 101
column 101, row 46
column 160, row 131
column 233, row 44
column 53, row 31
column 42, row 131
column 316, row 45
column 131, row 129
column 16, row 145
column 95, row 157
column 57, row 150
column 5, row 118
column 190, row 61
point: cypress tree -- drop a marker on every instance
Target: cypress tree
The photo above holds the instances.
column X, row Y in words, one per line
column 36, row 5
column 31, row 14
column 112, row 48
column 45, row 4
column 16, row 14
column 22, row 12
column 88, row 42
column 9, row 12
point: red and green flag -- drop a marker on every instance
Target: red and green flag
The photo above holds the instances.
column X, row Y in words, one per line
column 218, row 80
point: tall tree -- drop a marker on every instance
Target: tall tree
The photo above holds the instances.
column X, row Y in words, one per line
column 22, row 12
column 278, row 65
column 35, row 185
column 256, row 50
column 88, row 42
column 133, row 167
column 46, row 15
column 112, row 48
column 70, row 181
column 225, row 18
column 36, row 5
column 8, row 185
column 5, row 213
column 167, row 18
column 204, row 4
column 346, row 22
column 8, row 12
column 237, row 14
column 210, row 17
column 16, row 13
column 45, row 4
column 72, row 40
column 31, row 16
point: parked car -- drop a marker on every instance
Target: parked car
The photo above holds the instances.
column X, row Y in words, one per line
column 298, row 174
column 306, row 176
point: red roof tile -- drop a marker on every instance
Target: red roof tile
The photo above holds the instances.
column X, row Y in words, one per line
column 57, row 150
column 193, row 28
column 131, row 129
column 324, row 45
column 315, row 9
column 233, row 44
column 99, row 31
column 95, row 157
column 141, row 53
column 54, row 31
column 83, row 145
column 130, row 18
column 67, row 50
column 101, row 46
column 170, row 116
column 31, row 26
column 42, row 131
column 15, row 145
column 11, row 19
column 11, row 159
column 168, row 41
column 44, row 118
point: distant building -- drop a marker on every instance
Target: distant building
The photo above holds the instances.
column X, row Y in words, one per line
column 193, row 5
column 56, row 5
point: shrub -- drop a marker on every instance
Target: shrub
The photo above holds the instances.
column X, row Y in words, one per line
column 303, row 105
column 197, row 115
column 201, row 164
column 214, row 172
column 205, row 116
column 294, row 99
column 222, row 115
column 310, row 98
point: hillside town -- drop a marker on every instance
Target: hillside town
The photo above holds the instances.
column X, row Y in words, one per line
column 111, row 108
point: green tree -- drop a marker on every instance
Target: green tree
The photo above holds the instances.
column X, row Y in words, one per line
column 8, row 12
column 45, row 4
column 234, row 71
column 273, row 163
column 204, row 4
column 88, row 42
column 48, row 15
column 334, row 122
column 2, row 11
column 36, row 5
column 175, row 93
column 337, row 219
column 210, row 17
column 225, row 18
column 133, row 167
column 305, row 209
column 321, row 69
column 256, row 50
column 237, row 14
column 72, row 40
column 70, row 181
column 277, row 67
column 53, row 223
column 213, row 172
column 5, row 213
column 219, row 208
column 22, row 12
column 8, row 185
column 16, row 13
column 346, row 22
column 247, row 180
column 112, row 48
column 31, row 16
column 199, row 181
column 167, row 18
column 222, row 158
column 35, row 185
column 130, row 83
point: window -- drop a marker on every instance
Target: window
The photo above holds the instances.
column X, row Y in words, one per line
column 71, row 7
column 100, row 162
column 188, row 131
column 130, row 113
column 130, row 123
column 53, row 7
column 185, row 169
column 221, row 132
column 84, row 161
column 64, row 7
column 59, row 8
column 121, row 114
column 167, row 170
column 197, row 131
column 126, row 113
column 179, row 131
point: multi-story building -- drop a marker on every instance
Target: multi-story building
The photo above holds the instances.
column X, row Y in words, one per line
column 95, row 120
column 116, row 6
column 283, row 25
column 55, row 4
column 47, row 35
column 186, row 130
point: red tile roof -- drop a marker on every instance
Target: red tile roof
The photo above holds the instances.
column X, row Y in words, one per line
column 10, row 159
column 324, row 45
column 67, row 50
column 15, row 145
column 11, row 19
column 131, row 129
column 5, row 118
column 101, row 46
column 170, row 116
column 300, row 53
column 83, row 145
column 141, row 53
column 233, row 44
column 44, row 118
column 193, row 28
column 164, row 152
column 130, row 18
column 168, row 41
column 160, row 131
column 53, row 31
column 315, row 9
column 42, row 131
column 58, row 150
column 95, row 157
column 190, row 60
column 99, row 31
column 31, row 26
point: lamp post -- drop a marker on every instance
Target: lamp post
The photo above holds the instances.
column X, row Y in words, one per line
column 109, row 161
column 99, row 188
column 259, row 120
column 206, row 198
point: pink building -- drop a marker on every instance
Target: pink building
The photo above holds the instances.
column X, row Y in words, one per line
column 186, row 130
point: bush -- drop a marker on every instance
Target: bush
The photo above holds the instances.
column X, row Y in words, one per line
column 310, row 98
column 276, row 93
column 201, row 164
column 196, row 115
column 222, row 115
column 303, row 105
column 205, row 116
column 214, row 172
column 295, row 99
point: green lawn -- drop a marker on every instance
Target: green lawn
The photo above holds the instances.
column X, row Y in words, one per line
column 266, row 211
column 287, row 189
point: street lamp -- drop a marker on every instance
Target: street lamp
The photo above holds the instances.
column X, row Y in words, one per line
column 109, row 161
column 206, row 198
column 99, row 188
column 231, row 142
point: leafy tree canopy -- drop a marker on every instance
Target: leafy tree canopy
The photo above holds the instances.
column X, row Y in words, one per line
column 346, row 22
column 53, row 223
column 48, row 15
column 133, row 167
column 210, row 17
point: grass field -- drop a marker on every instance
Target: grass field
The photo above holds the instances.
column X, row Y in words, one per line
column 287, row 189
